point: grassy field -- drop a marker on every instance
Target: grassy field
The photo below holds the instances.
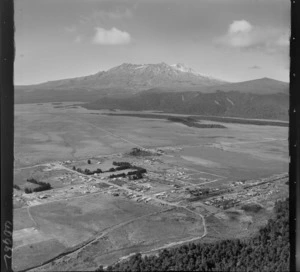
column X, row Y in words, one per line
column 22, row 219
column 77, row 220
column 122, row 226
column 43, row 133
column 143, row 234
column 72, row 222
column 34, row 254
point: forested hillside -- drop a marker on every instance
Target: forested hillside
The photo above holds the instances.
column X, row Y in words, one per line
column 268, row 250
column 233, row 104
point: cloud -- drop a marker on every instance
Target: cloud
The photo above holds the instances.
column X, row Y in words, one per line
column 74, row 32
column 78, row 39
column 113, row 14
column 113, row 36
column 243, row 35
column 255, row 67
column 239, row 27
column 70, row 29
column 107, row 16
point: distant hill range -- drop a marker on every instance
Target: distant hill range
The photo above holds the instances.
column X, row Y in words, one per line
column 231, row 104
column 163, row 87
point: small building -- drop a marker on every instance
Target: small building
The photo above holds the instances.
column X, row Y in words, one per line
column 42, row 196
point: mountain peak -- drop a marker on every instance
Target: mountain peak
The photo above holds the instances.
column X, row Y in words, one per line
column 130, row 77
column 183, row 68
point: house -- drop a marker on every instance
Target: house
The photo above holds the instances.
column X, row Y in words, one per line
column 42, row 196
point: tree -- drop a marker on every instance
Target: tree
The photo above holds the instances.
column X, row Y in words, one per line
column 28, row 190
column 88, row 172
column 16, row 186
column 99, row 269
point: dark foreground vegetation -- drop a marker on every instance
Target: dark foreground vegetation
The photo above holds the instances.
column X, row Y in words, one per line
column 268, row 250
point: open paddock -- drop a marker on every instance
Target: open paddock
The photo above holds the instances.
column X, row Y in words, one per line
column 36, row 253
column 145, row 234
column 231, row 164
column 234, row 223
column 21, row 175
column 22, row 219
column 56, row 177
column 73, row 222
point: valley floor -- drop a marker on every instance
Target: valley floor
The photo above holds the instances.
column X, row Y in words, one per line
column 201, row 185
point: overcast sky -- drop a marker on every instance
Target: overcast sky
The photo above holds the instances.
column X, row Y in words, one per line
column 234, row 40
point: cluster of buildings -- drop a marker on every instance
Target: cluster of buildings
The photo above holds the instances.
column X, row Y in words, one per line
column 247, row 191
column 137, row 197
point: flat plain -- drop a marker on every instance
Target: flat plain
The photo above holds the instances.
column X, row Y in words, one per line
column 88, row 224
column 44, row 133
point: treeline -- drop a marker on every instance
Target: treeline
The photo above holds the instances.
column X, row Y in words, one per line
column 43, row 186
column 268, row 250
column 140, row 152
column 221, row 119
column 87, row 171
column 137, row 174
column 245, row 121
column 120, row 166
column 191, row 122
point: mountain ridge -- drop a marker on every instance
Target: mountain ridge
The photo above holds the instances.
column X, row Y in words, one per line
column 174, row 87
column 136, row 77
column 226, row 104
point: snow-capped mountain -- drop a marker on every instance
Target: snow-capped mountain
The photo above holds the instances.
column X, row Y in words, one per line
column 127, row 79
column 138, row 77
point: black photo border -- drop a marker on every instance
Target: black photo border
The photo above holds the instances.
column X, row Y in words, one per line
column 7, row 53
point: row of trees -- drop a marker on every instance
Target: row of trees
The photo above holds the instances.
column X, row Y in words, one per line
column 122, row 175
column 43, row 186
column 38, row 189
column 87, row 171
column 120, row 166
column 268, row 250
column 133, row 175
column 139, row 152
column 127, row 164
